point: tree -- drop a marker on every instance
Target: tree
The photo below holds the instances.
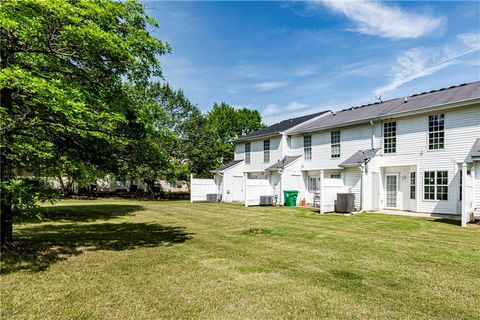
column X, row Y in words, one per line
column 64, row 64
column 223, row 124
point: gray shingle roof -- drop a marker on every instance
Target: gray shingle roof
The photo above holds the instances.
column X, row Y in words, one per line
column 359, row 157
column 226, row 166
column 395, row 106
column 281, row 126
column 282, row 163
column 475, row 151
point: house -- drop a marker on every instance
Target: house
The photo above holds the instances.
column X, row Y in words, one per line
column 256, row 154
column 419, row 153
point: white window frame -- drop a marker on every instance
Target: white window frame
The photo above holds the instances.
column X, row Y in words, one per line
column 266, row 151
column 413, row 185
column 307, row 150
column 248, row 157
column 435, row 134
column 317, row 184
column 390, row 137
column 335, row 144
column 435, row 185
column 397, row 187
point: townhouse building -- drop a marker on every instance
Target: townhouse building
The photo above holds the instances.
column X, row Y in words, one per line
column 419, row 153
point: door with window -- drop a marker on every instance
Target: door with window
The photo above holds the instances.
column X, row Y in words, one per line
column 391, row 184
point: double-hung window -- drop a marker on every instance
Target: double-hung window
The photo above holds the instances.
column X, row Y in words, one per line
column 313, row 184
column 307, row 147
column 390, row 137
column 413, row 185
column 435, row 185
column 266, row 151
column 335, row 143
column 247, row 152
column 436, row 132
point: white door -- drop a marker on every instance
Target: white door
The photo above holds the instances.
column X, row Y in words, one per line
column 376, row 191
column 237, row 188
column 391, row 184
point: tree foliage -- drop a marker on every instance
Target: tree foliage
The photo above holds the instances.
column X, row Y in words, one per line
column 64, row 104
column 77, row 100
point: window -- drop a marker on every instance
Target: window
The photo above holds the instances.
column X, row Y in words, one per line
column 413, row 185
column 266, row 150
column 436, row 132
column 436, row 185
column 335, row 176
column 335, row 143
column 247, row 153
column 313, row 184
column 390, row 137
column 307, row 147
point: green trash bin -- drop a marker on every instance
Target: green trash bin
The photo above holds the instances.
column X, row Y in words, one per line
column 290, row 198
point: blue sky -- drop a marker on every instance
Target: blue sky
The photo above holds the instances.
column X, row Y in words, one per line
column 287, row 59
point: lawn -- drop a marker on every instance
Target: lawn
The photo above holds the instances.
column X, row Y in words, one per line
column 156, row 260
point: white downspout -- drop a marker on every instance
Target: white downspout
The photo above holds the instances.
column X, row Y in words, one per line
column 465, row 196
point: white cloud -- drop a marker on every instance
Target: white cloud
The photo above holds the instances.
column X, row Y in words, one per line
column 271, row 109
column 421, row 62
column 270, row 85
column 296, row 106
column 305, row 71
column 377, row 19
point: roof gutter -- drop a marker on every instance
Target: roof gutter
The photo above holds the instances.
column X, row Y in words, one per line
column 438, row 107
column 266, row 135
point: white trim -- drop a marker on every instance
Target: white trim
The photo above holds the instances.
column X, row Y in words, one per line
column 396, row 175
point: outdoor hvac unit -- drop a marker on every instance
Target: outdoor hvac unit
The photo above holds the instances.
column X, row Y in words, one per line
column 213, row 197
column 345, row 202
column 267, row 200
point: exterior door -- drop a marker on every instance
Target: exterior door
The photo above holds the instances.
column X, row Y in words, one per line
column 376, row 191
column 391, row 184
column 237, row 188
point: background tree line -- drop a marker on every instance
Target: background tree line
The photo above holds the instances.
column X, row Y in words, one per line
column 78, row 99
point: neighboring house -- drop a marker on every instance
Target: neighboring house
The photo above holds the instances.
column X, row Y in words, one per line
column 255, row 153
column 419, row 153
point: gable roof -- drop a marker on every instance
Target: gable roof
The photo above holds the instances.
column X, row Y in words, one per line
column 359, row 158
column 226, row 166
column 282, row 163
column 475, row 151
column 280, row 126
column 385, row 109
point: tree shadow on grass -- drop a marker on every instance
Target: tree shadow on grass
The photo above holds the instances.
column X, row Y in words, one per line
column 38, row 246
column 85, row 213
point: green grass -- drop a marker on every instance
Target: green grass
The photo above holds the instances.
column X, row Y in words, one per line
column 157, row 260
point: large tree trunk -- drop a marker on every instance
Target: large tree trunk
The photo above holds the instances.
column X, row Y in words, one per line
column 6, row 174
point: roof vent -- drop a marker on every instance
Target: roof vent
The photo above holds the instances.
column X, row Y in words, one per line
column 406, row 100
